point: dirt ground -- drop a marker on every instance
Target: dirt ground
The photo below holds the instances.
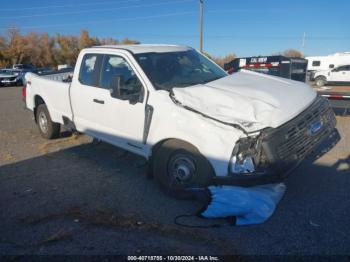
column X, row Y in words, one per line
column 72, row 196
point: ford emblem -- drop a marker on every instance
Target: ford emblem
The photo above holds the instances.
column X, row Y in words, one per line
column 315, row 127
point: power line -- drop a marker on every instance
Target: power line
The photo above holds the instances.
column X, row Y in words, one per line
column 97, row 10
column 236, row 37
column 105, row 20
column 241, row 37
column 251, row 10
column 231, row 37
column 70, row 5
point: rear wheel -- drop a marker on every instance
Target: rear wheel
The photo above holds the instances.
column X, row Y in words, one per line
column 178, row 166
column 320, row 81
column 47, row 128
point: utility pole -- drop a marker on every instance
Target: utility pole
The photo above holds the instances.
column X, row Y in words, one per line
column 303, row 41
column 201, row 26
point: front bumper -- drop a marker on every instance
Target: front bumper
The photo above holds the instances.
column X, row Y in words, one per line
column 287, row 146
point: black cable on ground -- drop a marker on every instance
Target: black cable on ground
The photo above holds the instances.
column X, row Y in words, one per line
column 231, row 221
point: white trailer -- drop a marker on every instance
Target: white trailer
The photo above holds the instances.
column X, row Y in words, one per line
column 318, row 63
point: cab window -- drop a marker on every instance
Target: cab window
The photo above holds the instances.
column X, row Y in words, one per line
column 342, row 68
column 117, row 66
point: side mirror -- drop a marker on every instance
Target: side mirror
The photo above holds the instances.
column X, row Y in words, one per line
column 119, row 90
column 115, row 87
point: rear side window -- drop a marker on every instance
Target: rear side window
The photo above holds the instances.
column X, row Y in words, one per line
column 316, row 63
column 90, row 70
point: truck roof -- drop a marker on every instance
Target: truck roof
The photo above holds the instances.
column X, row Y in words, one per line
column 148, row 48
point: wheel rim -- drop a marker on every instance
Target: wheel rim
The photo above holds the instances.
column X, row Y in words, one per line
column 43, row 123
column 319, row 82
column 181, row 169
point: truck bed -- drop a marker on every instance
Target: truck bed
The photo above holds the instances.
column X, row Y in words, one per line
column 61, row 75
column 53, row 91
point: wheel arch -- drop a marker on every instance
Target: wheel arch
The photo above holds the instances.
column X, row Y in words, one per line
column 321, row 76
column 156, row 147
column 38, row 100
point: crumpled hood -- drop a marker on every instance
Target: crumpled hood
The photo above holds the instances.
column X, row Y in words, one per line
column 249, row 99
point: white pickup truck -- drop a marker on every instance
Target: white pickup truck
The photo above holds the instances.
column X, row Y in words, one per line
column 338, row 75
column 195, row 124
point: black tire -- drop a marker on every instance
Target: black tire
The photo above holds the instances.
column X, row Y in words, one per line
column 320, row 81
column 48, row 130
column 178, row 166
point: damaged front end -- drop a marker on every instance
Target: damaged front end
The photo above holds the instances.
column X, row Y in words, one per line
column 249, row 164
column 268, row 154
column 248, row 157
column 271, row 155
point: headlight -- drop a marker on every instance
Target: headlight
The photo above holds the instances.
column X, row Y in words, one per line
column 245, row 156
column 242, row 164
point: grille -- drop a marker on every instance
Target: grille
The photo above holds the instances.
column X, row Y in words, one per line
column 294, row 140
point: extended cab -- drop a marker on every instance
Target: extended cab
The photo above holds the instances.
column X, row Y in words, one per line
column 194, row 123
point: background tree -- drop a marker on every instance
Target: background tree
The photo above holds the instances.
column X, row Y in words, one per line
column 3, row 47
column 127, row 41
column 43, row 50
column 109, row 41
column 221, row 61
column 86, row 41
column 46, row 45
column 67, row 49
column 292, row 53
column 15, row 46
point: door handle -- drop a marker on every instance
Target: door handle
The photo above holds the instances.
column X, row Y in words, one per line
column 99, row 101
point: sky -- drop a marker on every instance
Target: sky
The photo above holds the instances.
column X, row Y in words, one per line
column 246, row 28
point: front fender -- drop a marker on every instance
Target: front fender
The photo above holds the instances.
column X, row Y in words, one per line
column 213, row 140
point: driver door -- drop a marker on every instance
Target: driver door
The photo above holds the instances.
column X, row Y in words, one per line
column 113, row 120
column 340, row 74
column 125, row 118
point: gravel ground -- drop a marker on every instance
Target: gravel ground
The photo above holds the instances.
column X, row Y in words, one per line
column 72, row 196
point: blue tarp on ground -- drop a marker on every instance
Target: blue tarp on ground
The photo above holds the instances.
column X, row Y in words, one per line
column 248, row 205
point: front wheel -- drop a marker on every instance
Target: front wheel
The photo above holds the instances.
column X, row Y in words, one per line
column 179, row 166
column 320, row 81
column 47, row 128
